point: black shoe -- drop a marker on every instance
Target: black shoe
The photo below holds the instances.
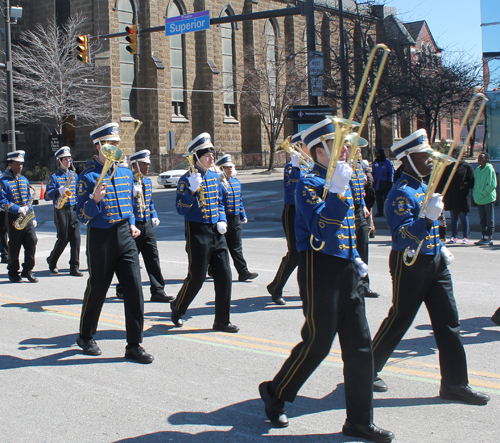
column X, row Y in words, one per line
column 209, row 272
column 30, row 276
column 372, row 234
column 277, row 298
column 139, row 354
column 495, row 318
column 161, row 297
column 52, row 269
column 247, row 276
column 463, row 395
column 16, row 278
column 175, row 316
column 368, row 432
column 225, row 328
column 275, row 408
column 76, row 273
column 5, row 259
column 89, row 346
column 119, row 294
column 379, row 385
column 371, row 294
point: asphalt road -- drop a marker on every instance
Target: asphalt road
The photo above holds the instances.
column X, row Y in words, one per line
column 203, row 385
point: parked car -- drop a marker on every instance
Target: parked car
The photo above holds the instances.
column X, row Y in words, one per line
column 171, row 177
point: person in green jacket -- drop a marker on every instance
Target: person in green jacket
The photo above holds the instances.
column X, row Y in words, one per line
column 484, row 194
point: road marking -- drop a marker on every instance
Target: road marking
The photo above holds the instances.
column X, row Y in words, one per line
column 406, row 367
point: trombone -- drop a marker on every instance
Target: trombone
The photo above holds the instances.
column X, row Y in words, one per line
column 345, row 126
column 440, row 163
column 305, row 160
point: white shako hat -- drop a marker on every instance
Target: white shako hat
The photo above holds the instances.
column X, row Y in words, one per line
column 224, row 161
column 65, row 151
column 109, row 132
column 16, row 156
column 141, row 156
column 324, row 130
column 414, row 143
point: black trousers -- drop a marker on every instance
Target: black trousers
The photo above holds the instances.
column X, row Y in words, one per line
column 146, row 245
column 329, row 288
column 112, row 251
column 427, row 281
column 234, row 242
column 27, row 239
column 362, row 240
column 68, row 231
column 205, row 246
column 4, row 237
column 291, row 260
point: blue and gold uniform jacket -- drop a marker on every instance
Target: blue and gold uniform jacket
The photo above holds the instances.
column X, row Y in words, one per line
column 231, row 189
column 148, row 201
column 58, row 179
column 358, row 186
column 402, row 208
column 116, row 205
column 14, row 193
column 330, row 220
column 205, row 207
column 290, row 179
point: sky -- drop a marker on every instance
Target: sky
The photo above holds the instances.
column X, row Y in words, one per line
column 454, row 24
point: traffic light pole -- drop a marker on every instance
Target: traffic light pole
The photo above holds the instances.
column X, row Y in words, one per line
column 11, row 131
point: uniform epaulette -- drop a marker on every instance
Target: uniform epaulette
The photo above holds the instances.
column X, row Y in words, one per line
column 403, row 184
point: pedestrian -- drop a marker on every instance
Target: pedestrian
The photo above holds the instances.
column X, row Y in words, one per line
column 484, row 194
column 329, row 288
column 456, row 200
column 146, row 219
column 236, row 216
column 107, row 211
column 200, row 201
column 61, row 189
column 383, row 175
column 427, row 281
column 369, row 197
column 290, row 260
column 17, row 202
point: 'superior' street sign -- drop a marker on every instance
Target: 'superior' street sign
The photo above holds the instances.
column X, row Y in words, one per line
column 198, row 21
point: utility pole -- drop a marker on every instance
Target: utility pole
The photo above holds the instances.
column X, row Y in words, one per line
column 311, row 46
column 11, row 131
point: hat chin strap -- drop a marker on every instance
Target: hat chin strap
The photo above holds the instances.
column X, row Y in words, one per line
column 325, row 146
column 413, row 166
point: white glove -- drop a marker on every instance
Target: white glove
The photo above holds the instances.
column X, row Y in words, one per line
column 34, row 223
column 362, row 267
column 155, row 221
column 434, row 207
column 62, row 190
column 23, row 210
column 222, row 227
column 244, row 220
column 295, row 161
column 137, row 190
column 340, row 179
column 447, row 255
column 194, row 181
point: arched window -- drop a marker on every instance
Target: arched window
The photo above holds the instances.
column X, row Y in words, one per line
column 177, row 67
column 271, row 36
column 127, row 61
column 228, row 67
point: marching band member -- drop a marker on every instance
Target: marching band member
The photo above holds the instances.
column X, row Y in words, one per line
column 61, row 189
column 146, row 219
column 108, row 213
column 200, row 200
column 16, row 201
column 290, row 261
column 236, row 216
column 427, row 281
column 329, row 288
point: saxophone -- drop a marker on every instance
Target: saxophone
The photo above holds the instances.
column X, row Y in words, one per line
column 140, row 198
column 63, row 198
column 200, row 191
column 23, row 219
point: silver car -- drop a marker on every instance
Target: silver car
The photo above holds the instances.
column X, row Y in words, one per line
column 171, row 177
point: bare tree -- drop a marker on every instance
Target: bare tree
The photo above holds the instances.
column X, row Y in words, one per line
column 271, row 89
column 51, row 86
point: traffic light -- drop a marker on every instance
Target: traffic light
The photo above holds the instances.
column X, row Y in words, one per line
column 82, row 48
column 131, row 38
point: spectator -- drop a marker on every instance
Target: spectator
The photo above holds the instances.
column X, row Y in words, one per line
column 383, row 175
column 485, row 195
column 456, row 199
column 369, row 196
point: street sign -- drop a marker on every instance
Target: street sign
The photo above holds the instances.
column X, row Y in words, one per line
column 316, row 73
column 199, row 21
column 55, row 141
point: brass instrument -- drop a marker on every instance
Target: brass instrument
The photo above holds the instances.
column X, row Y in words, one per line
column 23, row 219
column 305, row 160
column 138, row 176
column 440, row 163
column 63, row 198
column 345, row 126
column 193, row 170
